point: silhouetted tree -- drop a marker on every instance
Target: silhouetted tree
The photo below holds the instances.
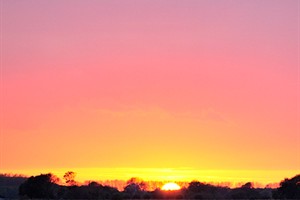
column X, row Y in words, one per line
column 94, row 184
column 92, row 191
column 195, row 186
column 289, row 189
column 247, row 191
column 198, row 190
column 248, row 185
column 42, row 186
column 70, row 178
column 142, row 184
column 133, row 191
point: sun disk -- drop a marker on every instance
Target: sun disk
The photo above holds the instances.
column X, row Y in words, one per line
column 170, row 186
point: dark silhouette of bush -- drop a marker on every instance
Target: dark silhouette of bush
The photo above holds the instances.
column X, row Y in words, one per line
column 107, row 192
column 42, row 186
column 247, row 191
column 132, row 188
column 244, row 193
column 116, row 196
column 94, row 184
column 195, row 186
column 289, row 189
column 136, row 188
column 198, row 196
column 9, row 185
column 247, row 185
column 147, row 196
column 133, row 191
column 198, row 190
column 161, row 194
column 142, row 184
column 91, row 191
column 157, row 194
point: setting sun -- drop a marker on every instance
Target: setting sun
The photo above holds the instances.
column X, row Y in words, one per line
column 170, row 186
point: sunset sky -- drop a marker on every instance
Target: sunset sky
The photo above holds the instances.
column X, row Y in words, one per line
column 172, row 89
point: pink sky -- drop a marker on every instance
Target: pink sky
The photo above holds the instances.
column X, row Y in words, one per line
column 150, row 84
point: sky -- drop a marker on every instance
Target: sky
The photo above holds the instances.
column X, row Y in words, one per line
column 173, row 89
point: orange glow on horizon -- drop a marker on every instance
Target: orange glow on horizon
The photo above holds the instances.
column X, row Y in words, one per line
column 160, row 176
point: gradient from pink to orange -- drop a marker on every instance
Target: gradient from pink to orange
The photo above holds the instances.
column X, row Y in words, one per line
column 204, row 86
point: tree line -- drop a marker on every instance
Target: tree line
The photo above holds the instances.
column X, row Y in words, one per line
column 49, row 186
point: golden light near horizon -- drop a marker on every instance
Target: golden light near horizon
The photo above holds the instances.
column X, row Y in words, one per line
column 170, row 186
